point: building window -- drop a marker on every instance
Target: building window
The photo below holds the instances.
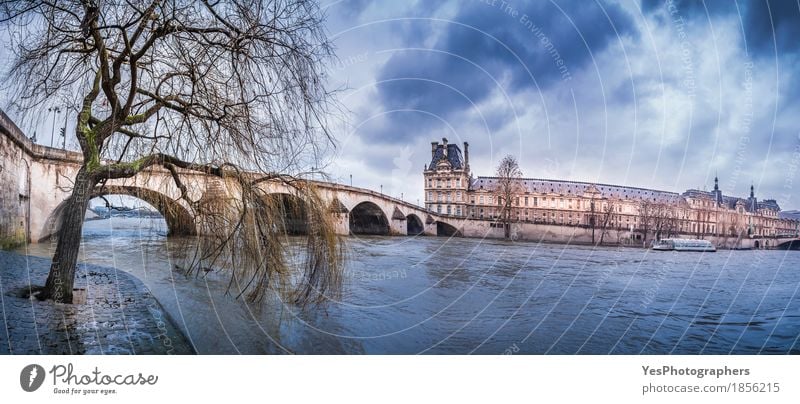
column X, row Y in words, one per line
column 458, row 196
column 440, row 197
column 526, row 201
column 480, row 198
column 535, row 201
column 438, row 208
column 458, row 210
column 448, row 209
column 430, row 195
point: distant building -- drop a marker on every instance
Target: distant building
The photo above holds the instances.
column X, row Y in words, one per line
column 644, row 213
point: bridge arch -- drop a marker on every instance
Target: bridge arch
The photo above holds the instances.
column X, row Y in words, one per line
column 789, row 245
column 292, row 209
column 447, row 230
column 414, row 225
column 368, row 218
column 180, row 221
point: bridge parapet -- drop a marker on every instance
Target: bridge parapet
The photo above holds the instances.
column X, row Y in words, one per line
column 37, row 151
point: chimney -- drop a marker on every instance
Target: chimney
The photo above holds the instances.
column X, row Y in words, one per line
column 444, row 146
column 466, row 156
column 433, row 148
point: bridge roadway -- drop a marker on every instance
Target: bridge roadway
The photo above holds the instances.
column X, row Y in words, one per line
column 35, row 182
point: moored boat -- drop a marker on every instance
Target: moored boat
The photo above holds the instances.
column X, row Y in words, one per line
column 682, row 244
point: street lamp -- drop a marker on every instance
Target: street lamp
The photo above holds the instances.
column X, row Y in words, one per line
column 351, row 180
column 381, row 189
column 54, row 110
column 64, row 132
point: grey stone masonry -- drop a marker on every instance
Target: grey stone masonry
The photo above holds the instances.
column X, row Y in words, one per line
column 118, row 314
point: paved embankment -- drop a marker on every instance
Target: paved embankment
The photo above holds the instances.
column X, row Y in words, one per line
column 119, row 315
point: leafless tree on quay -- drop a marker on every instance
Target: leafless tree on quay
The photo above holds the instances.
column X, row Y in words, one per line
column 508, row 175
column 608, row 213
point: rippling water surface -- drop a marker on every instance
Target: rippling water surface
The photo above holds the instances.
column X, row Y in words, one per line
column 457, row 296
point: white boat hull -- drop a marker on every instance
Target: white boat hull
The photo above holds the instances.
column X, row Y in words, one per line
column 679, row 244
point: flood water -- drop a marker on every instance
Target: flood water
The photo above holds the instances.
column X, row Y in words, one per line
column 433, row 295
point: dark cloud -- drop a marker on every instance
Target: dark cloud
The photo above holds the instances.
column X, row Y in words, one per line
column 692, row 7
column 770, row 27
column 488, row 49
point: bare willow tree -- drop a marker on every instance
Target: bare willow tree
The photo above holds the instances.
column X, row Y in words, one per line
column 231, row 89
column 508, row 185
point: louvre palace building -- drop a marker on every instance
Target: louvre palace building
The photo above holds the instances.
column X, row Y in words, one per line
column 582, row 212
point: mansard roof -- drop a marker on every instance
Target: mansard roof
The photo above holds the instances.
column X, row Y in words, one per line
column 454, row 156
column 732, row 201
column 790, row 214
column 564, row 187
column 770, row 204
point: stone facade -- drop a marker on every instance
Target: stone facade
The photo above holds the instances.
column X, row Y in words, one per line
column 595, row 212
column 15, row 188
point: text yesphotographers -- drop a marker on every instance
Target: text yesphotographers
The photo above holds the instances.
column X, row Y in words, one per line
column 669, row 370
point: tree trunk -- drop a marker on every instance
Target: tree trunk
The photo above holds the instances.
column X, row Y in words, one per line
column 507, row 221
column 61, row 279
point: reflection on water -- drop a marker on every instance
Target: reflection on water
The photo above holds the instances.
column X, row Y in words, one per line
column 434, row 295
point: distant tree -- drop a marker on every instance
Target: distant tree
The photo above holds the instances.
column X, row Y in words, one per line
column 661, row 215
column 646, row 211
column 508, row 175
column 672, row 224
column 608, row 213
column 229, row 88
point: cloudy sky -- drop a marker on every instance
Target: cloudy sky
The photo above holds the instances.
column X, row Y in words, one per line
column 647, row 94
column 641, row 93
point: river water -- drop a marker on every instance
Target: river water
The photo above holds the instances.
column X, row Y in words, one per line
column 433, row 295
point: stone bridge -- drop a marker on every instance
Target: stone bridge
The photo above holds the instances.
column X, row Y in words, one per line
column 36, row 180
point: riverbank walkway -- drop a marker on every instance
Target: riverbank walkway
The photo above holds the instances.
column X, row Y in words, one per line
column 119, row 315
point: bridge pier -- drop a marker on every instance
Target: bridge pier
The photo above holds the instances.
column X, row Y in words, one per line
column 398, row 225
column 341, row 223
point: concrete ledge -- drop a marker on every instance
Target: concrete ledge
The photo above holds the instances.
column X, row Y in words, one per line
column 120, row 315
